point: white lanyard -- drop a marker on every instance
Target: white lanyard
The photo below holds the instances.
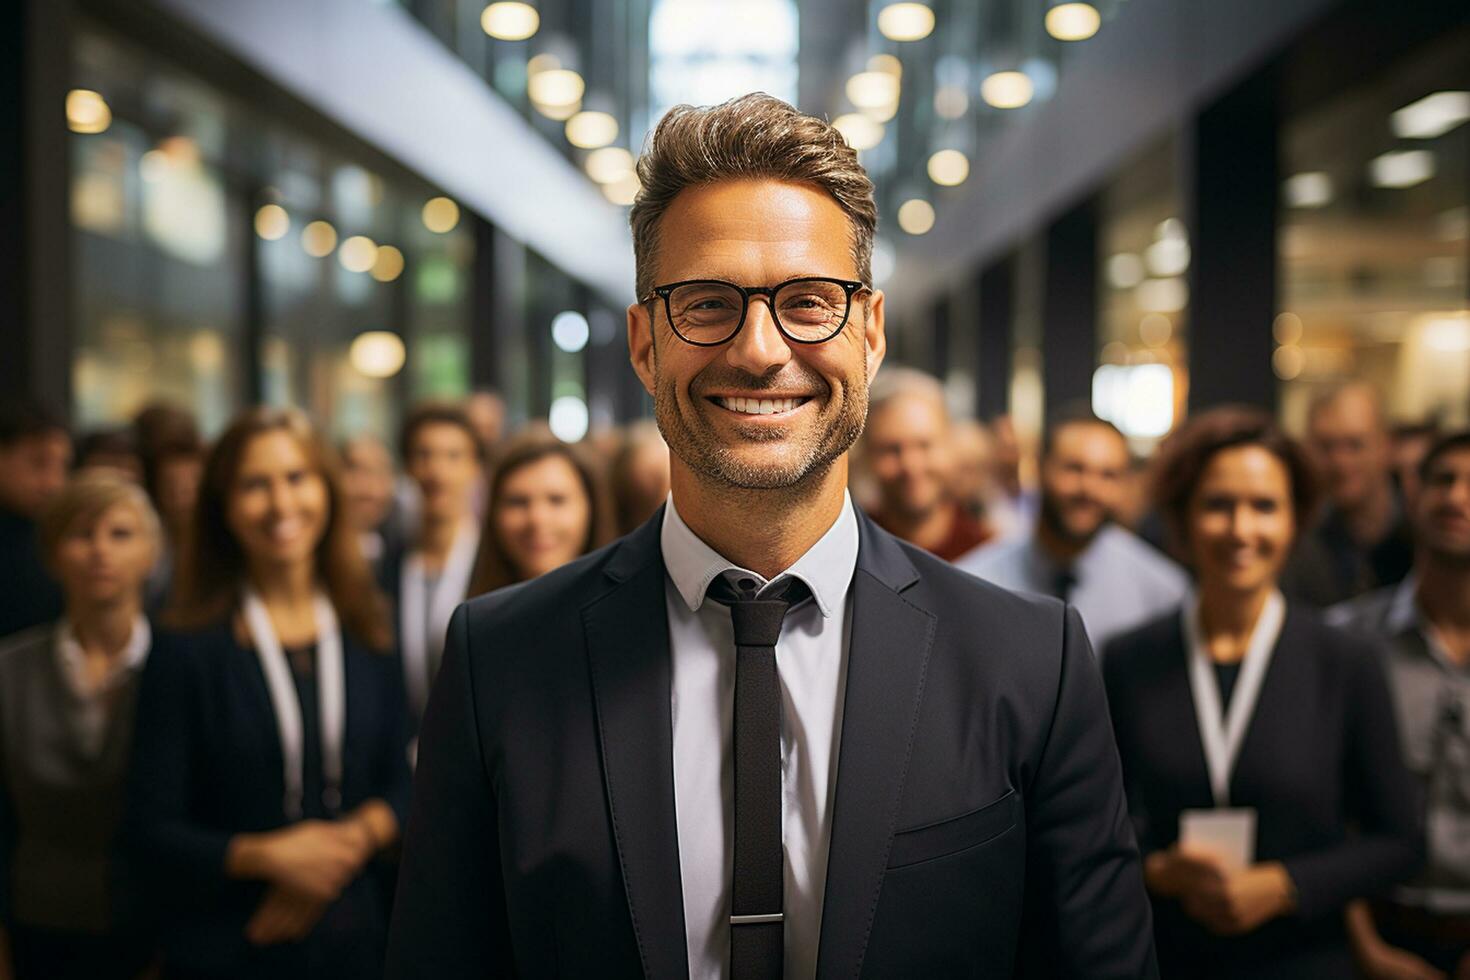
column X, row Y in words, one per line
column 419, row 618
column 331, row 690
column 1221, row 733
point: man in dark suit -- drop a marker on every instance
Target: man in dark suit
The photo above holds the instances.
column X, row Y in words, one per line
column 761, row 737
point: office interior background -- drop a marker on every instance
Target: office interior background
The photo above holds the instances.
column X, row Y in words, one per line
column 1153, row 205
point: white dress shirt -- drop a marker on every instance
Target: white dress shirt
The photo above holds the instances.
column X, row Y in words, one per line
column 811, row 661
column 91, row 698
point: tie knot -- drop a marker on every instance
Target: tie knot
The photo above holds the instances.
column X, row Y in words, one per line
column 757, row 621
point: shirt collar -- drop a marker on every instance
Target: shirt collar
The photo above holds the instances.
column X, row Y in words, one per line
column 70, row 651
column 1403, row 608
column 826, row 568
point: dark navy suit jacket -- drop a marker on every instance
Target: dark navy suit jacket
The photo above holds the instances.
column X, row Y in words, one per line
column 1319, row 763
column 207, row 766
column 979, row 825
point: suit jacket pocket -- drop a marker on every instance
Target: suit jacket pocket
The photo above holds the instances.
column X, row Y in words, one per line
column 955, row 834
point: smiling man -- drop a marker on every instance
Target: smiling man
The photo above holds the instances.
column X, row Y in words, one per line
column 759, row 736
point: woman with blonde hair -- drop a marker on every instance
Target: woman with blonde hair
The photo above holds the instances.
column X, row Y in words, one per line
column 270, row 761
column 67, row 695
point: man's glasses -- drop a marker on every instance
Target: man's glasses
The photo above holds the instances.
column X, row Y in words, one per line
column 709, row 312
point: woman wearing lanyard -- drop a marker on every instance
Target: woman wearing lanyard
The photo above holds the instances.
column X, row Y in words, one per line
column 547, row 507
column 270, row 759
column 1258, row 745
column 67, row 695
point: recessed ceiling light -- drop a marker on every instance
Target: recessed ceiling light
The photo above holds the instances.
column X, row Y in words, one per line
column 1434, row 115
column 1402, row 168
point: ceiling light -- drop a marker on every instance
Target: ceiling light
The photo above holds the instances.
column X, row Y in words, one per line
column 1434, row 115
column 1125, row 270
column 1155, row 329
column 555, row 87
column 1073, row 21
column 358, row 253
column 440, row 215
column 872, row 89
column 87, row 111
column 1167, row 256
column 861, row 132
column 1312, row 189
column 1007, row 89
column 609, row 164
column 318, row 239
column 916, row 216
column 624, row 190
column 1402, row 168
column 388, row 265
column 509, row 21
column 905, row 21
column 949, row 168
column 272, row 222
column 590, row 130
column 377, row 354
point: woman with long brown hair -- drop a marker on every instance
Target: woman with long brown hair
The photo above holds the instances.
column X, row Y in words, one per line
column 270, row 758
column 546, row 508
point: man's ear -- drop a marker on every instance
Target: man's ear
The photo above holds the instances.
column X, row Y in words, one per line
column 874, row 337
column 640, row 344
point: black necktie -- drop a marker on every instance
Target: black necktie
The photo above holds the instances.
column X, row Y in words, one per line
column 757, row 929
column 1063, row 583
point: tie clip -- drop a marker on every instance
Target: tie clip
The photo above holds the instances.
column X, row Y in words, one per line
column 755, row 920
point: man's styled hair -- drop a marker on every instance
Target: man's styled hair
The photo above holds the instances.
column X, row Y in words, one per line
column 754, row 136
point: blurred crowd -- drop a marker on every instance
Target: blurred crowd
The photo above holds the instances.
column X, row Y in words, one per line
column 188, row 783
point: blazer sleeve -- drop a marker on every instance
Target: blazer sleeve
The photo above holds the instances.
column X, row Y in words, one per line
column 1087, row 909
column 160, row 831
column 1388, row 844
column 449, row 917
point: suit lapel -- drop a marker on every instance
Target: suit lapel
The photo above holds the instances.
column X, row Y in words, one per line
column 628, row 650
column 887, row 658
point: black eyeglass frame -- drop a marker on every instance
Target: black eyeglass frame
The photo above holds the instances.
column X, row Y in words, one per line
column 849, row 286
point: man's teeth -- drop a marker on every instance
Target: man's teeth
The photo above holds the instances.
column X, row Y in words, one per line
column 761, row 406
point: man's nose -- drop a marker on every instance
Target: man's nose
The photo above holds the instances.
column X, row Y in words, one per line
column 759, row 347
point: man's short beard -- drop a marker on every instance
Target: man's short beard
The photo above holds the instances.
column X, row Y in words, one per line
column 1051, row 516
column 694, row 442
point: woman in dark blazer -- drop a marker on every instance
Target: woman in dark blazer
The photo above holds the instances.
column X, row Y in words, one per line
column 270, row 761
column 1314, row 748
column 67, row 696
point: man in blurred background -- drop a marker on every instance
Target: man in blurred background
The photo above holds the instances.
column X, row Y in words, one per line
column 443, row 454
column 367, row 482
column 1363, row 540
column 908, row 446
column 1076, row 551
column 35, row 451
column 1425, row 623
